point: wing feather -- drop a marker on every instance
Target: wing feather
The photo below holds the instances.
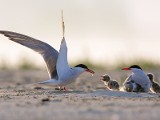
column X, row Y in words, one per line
column 49, row 54
column 62, row 60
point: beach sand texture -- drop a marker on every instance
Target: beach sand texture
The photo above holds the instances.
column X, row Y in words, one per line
column 87, row 99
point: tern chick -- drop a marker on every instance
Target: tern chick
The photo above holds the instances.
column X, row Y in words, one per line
column 111, row 84
column 155, row 85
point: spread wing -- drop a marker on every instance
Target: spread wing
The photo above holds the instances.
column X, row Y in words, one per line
column 49, row 54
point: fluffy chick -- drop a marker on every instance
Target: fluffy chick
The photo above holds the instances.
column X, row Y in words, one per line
column 111, row 84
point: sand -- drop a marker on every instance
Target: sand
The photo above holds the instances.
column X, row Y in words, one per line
column 86, row 99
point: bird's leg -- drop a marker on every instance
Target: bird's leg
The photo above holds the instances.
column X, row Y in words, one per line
column 59, row 88
column 63, row 88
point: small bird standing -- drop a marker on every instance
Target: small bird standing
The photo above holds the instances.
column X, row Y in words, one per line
column 139, row 77
column 111, row 84
column 60, row 73
column 155, row 85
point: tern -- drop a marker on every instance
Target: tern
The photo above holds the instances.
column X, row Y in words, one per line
column 111, row 84
column 139, row 77
column 60, row 73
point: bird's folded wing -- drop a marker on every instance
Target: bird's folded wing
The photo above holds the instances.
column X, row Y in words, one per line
column 49, row 54
column 142, row 80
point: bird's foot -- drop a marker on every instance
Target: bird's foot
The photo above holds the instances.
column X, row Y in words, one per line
column 58, row 88
column 61, row 89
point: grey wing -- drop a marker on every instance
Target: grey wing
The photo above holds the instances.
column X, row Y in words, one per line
column 49, row 54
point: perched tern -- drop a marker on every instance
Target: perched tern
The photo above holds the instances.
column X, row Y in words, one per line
column 139, row 77
column 111, row 84
column 60, row 73
column 155, row 85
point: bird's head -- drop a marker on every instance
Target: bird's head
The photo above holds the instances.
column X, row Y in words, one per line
column 105, row 78
column 134, row 68
column 150, row 76
column 83, row 68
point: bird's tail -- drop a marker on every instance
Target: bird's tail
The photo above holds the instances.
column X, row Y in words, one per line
column 51, row 82
column 43, row 82
column 63, row 26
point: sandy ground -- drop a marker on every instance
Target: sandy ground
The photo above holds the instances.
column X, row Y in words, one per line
column 87, row 99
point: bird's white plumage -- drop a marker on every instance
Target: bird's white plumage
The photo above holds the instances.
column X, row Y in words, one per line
column 62, row 62
column 140, row 77
column 129, row 85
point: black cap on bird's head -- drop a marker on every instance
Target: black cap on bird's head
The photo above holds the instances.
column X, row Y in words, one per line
column 85, row 67
column 82, row 66
column 133, row 66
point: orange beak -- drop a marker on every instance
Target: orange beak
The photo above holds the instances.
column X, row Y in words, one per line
column 90, row 71
column 126, row 69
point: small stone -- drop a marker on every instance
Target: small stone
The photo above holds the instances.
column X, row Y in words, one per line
column 45, row 100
